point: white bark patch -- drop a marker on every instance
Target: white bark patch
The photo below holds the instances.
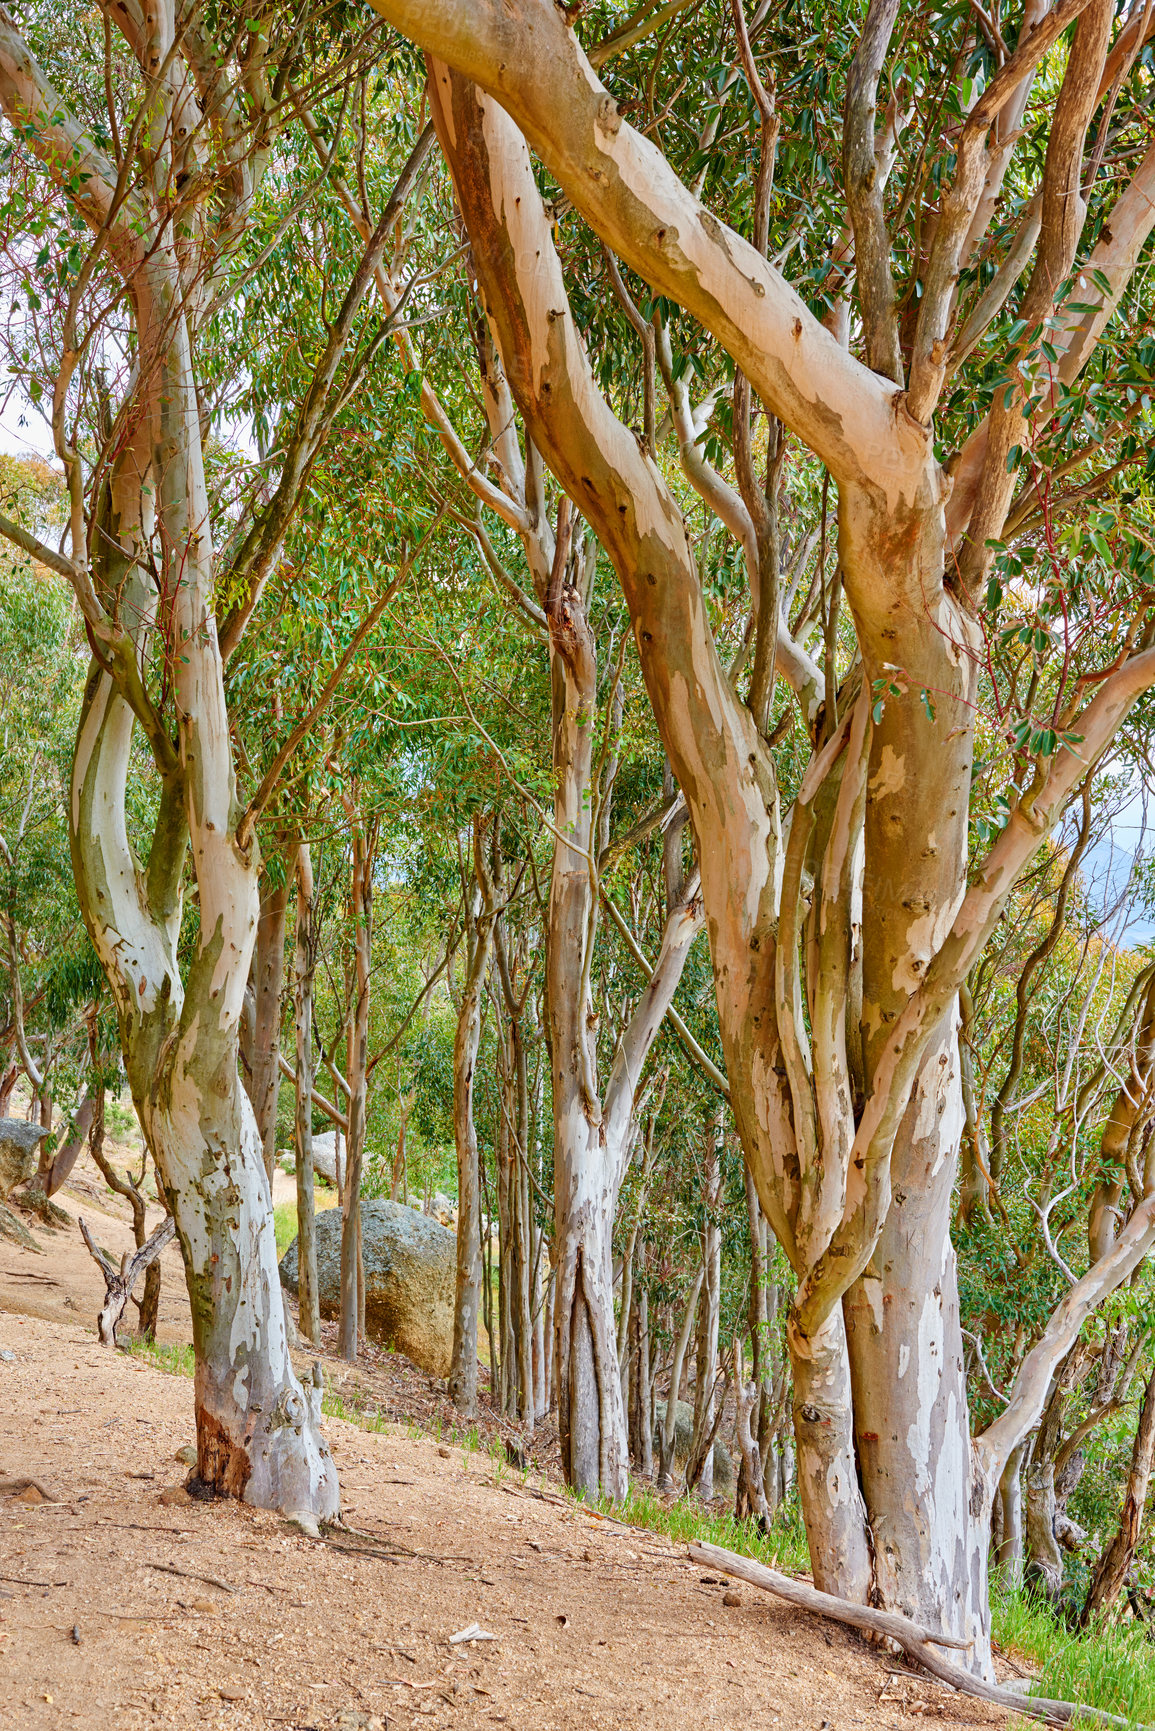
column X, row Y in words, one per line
column 903, row 1359
column 873, row 1290
column 930, row 1350
column 890, row 776
column 924, row 937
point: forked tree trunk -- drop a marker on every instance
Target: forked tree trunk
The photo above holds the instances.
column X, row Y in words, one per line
column 304, row 966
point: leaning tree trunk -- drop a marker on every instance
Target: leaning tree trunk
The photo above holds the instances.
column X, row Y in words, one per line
column 305, row 962
column 1115, row 1563
column 1009, row 1550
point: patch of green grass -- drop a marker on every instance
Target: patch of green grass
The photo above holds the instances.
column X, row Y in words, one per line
column 1112, row 1668
column 784, row 1547
column 176, row 1358
column 285, row 1218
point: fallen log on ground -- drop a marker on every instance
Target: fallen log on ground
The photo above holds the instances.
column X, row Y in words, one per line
column 920, row 1645
column 119, row 1284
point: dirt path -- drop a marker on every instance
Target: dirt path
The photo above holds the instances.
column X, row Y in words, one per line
column 595, row 1625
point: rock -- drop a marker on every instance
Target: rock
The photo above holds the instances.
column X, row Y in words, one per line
column 724, row 1479
column 325, row 1154
column 410, row 1279
column 19, row 1152
column 443, row 1208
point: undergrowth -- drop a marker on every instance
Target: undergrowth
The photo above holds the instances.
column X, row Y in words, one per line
column 1109, row 1667
column 683, row 1519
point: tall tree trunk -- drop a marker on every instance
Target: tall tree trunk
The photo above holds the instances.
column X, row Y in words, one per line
column 463, row 1364
column 1114, row 1565
column 305, row 962
column 269, row 971
column 356, row 1071
column 706, row 1352
column 591, row 1419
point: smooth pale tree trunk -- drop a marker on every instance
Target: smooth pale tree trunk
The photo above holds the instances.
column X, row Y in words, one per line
column 505, row 1252
column 269, row 972
column 640, row 1401
column 399, row 1184
column 304, row 968
column 1115, row 1564
column 463, row 1364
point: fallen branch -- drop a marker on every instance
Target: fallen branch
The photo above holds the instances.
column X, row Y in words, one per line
column 192, row 1575
column 917, row 1643
column 118, row 1286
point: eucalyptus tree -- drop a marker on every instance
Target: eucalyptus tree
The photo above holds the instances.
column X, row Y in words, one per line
column 146, row 159
column 954, row 434
column 546, row 575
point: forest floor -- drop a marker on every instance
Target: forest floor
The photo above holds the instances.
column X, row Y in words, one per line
column 123, row 1601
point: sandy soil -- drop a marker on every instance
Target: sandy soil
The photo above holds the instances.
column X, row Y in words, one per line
column 124, row 1602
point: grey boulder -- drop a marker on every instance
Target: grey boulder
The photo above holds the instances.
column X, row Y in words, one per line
column 19, row 1152
column 410, row 1279
column 724, row 1480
